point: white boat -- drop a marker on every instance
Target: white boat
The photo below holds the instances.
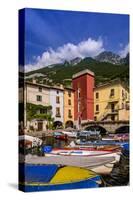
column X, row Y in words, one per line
column 84, row 153
column 100, row 165
column 34, row 140
column 72, row 134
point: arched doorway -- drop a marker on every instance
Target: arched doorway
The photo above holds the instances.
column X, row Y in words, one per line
column 58, row 124
column 122, row 129
column 69, row 124
column 102, row 130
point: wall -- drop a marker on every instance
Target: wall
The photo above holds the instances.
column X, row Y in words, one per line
column 33, row 90
column 86, row 84
column 105, row 101
column 53, row 94
column 67, row 106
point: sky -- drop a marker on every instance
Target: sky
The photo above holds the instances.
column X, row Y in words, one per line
column 53, row 36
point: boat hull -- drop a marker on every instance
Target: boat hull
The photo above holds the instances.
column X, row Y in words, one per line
column 82, row 153
column 77, row 185
column 56, row 178
column 103, row 165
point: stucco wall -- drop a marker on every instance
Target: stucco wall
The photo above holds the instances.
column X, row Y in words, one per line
column 67, row 106
column 53, row 94
column 31, row 95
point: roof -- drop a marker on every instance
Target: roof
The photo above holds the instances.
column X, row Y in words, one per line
column 44, row 86
column 83, row 72
column 112, row 82
column 69, row 88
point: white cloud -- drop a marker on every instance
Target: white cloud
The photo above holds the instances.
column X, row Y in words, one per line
column 124, row 51
column 69, row 51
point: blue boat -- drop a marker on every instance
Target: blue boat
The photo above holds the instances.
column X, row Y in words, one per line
column 102, row 143
column 125, row 146
column 53, row 177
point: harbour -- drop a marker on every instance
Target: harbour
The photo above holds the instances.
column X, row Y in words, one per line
column 107, row 159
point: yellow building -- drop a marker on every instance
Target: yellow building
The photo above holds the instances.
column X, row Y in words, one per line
column 68, row 107
column 111, row 101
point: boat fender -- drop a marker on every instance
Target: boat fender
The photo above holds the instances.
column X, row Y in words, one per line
column 46, row 149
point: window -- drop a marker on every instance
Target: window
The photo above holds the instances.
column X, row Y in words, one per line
column 39, row 98
column 127, row 106
column 97, row 95
column 95, row 118
column 57, row 112
column 97, row 107
column 122, row 93
column 42, row 111
column 112, row 107
column 69, row 114
column 113, row 118
column 122, row 105
column 40, row 89
column 78, row 92
column 69, row 102
column 57, row 99
column 57, row 91
column 69, row 93
column 126, row 95
column 112, row 92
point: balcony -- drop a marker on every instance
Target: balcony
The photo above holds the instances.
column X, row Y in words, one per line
column 112, row 99
column 113, row 112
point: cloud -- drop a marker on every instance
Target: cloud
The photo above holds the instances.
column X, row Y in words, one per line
column 69, row 51
column 124, row 51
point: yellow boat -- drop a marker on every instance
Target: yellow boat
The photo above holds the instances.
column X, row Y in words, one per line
column 67, row 177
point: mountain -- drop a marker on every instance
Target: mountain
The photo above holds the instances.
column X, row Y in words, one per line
column 108, row 56
column 104, row 71
column 125, row 60
column 75, row 61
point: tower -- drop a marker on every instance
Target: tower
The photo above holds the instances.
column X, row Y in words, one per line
column 83, row 85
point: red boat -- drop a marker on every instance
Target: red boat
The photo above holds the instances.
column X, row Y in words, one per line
column 60, row 135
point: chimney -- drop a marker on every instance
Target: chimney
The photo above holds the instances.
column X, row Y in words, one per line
column 34, row 80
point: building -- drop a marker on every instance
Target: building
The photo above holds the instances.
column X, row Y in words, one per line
column 83, row 85
column 68, row 107
column 37, row 103
column 38, row 94
column 57, row 103
column 111, row 101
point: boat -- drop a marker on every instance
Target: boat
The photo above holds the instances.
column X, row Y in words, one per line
column 60, row 135
column 104, row 142
column 71, row 134
column 100, row 165
column 89, row 135
column 54, row 177
column 98, row 145
column 84, row 152
column 123, row 137
column 29, row 141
